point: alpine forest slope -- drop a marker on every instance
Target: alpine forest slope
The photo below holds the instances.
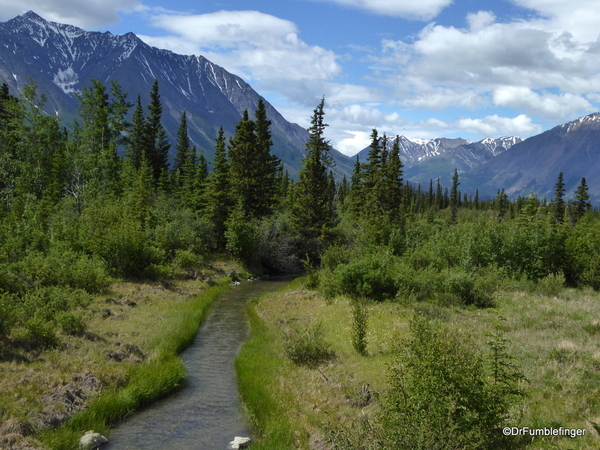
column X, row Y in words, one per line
column 61, row 59
column 533, row 165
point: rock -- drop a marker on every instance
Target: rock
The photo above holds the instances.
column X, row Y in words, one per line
column 239, row 442
column 91, row 440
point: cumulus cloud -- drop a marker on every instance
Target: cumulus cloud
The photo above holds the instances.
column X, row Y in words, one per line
column 494, row 125
column 266, row 50
column 89, row 14
column 545, row 105
column 542, row 65
column 411, row 9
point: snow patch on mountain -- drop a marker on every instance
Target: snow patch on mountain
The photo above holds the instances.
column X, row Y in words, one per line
column 66, row 80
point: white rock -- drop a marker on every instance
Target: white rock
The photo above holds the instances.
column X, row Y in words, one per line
column 91, row 440
column 238, row 442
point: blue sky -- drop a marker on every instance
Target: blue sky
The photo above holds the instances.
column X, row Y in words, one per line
column 419, row 68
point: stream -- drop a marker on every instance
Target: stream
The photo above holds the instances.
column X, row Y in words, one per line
column 207, row 413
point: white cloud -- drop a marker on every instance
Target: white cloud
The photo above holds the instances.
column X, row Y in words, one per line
column 494, row 125
column 411, row 9
column 265, row 50
column 580, row 18
column 545, row 105
column 89, row 14
column 352, row 145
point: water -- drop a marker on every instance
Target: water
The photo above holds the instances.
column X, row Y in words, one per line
column 207, row 414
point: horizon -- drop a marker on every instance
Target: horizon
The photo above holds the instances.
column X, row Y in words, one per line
column 427, row 70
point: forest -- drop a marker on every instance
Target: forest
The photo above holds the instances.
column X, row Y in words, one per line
column 100, row 202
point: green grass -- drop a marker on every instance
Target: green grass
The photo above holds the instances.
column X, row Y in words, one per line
column 159, row 375
column 262, row 398
column 554, row 339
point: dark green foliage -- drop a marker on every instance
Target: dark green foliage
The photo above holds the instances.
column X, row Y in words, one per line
column 558, row 200
column 71, row 323
column 311, row 208
column 582, row 201
column 443, row 396
column 369, row 277
column 360, row 320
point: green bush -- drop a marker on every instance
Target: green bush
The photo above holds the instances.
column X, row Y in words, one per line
column 443, row 396
column 70, row 323
column 551, row 285
column 360, row 320
column 369, row 277
column 307, row 346
column 7, row 314
column 39, row 332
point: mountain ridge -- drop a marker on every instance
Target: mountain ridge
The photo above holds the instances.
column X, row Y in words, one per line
column 62, row 58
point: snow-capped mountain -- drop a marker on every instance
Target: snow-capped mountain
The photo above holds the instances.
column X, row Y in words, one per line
column 533, row 165
column 429, row 159
column 62, row 58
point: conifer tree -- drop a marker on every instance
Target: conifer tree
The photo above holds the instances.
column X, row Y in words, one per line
column 559, row 203
column 311, row 210
column 242, row 165
column 393, row 189
column 217, row 198
column 454, row 198
column 582, row 200
column 138, row 136
column 157, row 151
column 267, row 164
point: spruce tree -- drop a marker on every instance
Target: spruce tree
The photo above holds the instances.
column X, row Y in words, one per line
column 582, row 200
column 158, row 146
column 217, row 197
column 454, row 198
column 242, row 166
column 559, row 203
column 138, row 136
column 311, row 211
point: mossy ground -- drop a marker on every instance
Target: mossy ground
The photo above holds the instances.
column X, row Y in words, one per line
column 134, row 332
column 555, row 340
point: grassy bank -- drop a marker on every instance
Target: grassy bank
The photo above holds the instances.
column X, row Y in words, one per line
column 554, row 340
column 128, row 357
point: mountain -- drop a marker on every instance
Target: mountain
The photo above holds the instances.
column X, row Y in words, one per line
column 429, row 159
column 62, row 58
column 533, row 165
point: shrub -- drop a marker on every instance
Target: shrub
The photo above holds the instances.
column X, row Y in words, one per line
column 70, row 323
column 7, row 315
column 369, row 277
column 443, row 396
column 307, row 346
column 39, row 332
column 360, row 319
column 551, row 285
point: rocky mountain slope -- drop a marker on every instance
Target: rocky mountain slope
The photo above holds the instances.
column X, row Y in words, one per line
column 62, row 58
column 533, row 165
column 427, row 159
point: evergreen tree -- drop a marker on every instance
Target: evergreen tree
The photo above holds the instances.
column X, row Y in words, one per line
column 582, row 200
column 267, row 164
column 217, row 196
column 157, row 151
column 138, row 136
column 393, row 188
column 559, row 203
column 311, row 211
column 454, row 198
column 242, row 166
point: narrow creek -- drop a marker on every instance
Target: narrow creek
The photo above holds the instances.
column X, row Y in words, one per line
column 207, row 412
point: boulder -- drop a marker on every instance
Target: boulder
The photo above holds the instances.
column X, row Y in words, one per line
column 91, row 441
column 239, row 442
